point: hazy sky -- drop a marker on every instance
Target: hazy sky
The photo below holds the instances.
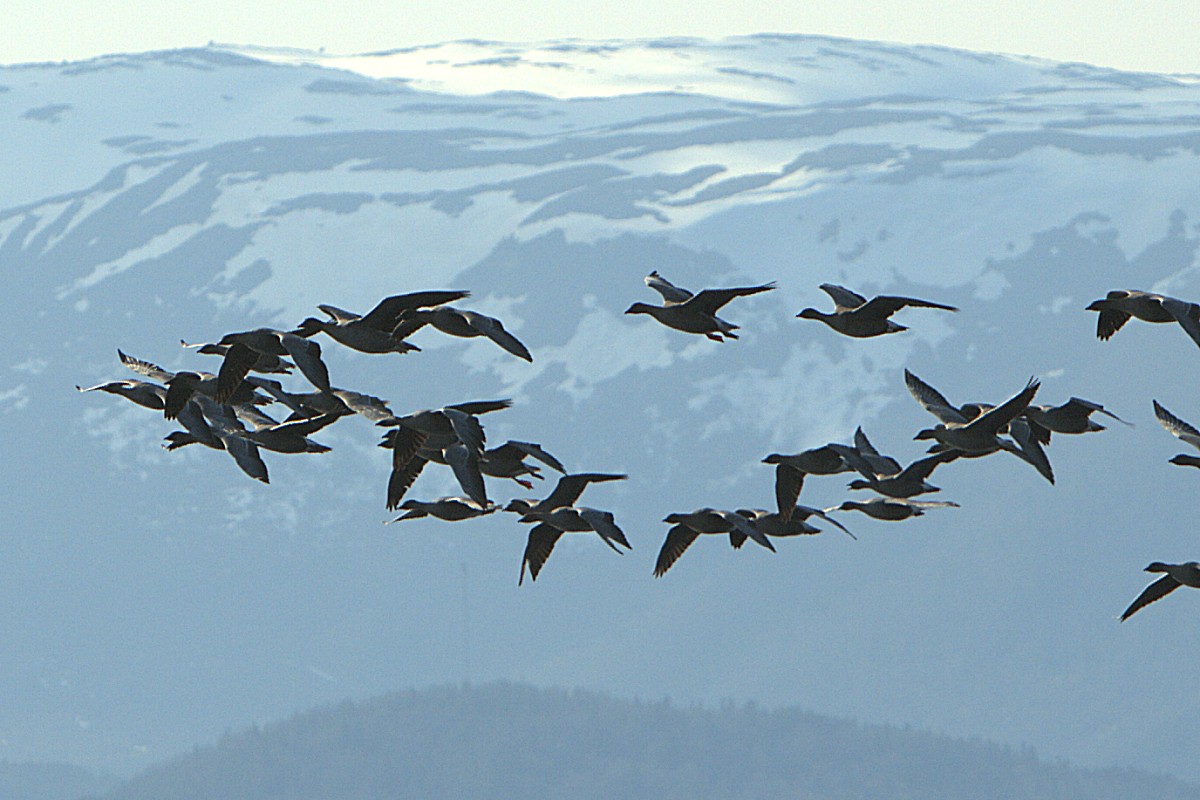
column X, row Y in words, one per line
column 1154, row 35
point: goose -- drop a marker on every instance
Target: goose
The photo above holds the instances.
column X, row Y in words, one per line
column 375, row 331
column 1027, row 435
column 1072, row 417
column 439, row 429
column 449, row 509
column 355, row 334
column 772, row 523
column 975, row 429
column 1119, row 305
column 387, row 314
column 1180, row 430
column 854, row 315
column 1186, row 574
column 979, row 436
column 892, row 510
column 464, row 324
column 694, row 313
column 379, row 330
column 508, row 461
column 182, row 385
column 553, row 523
column 246, row 346
column 287, row 437
column 909, row 482
column 566, row 492
column 687, row 527
column 146, row 394
column 790, row 471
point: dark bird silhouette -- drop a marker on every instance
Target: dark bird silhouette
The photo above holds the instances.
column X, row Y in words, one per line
column 1119, row 305
column 890, row 509
column 854, row 315
column 1186, row 574
column 449, row 509
column 688, row 527
column 553, row 523
column 790, row 471
column 694, row 313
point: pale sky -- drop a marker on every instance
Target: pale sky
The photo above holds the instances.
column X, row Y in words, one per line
column 1152, row 35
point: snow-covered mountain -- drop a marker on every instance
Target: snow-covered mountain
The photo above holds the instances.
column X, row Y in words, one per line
column 156, row 599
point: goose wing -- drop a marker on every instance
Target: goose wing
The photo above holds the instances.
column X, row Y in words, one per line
column 386, row 315
column 603, row 523
column 570, row 487
column 679, row 539
column 671, row 294
column 151, row 371
column 1186, row 314
column 932, row 400
column 465, row 464
column 531, row 449
column 542, row 538
column 493, row 329
column 710, row 301
column 307, row 355
column 1155, row 591
column 843, row 298
column 886, row 305
column 1177, row 427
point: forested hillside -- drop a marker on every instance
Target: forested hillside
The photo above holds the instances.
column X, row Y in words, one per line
column 514, row 741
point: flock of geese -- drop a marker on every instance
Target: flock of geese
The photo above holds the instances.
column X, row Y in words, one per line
column 224, row 411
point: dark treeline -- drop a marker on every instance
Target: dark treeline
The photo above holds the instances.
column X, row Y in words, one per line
column 513, row 741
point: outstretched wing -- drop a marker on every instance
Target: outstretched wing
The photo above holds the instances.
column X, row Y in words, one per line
column 1176, row 426
column 710, row 300
column 843, row 298
column 386, row 315
column 1155, row 591
column 570, row 487
column 671, row 294
column 932, row 400
column 679, row 539
column 886, row 305
column 542, row 538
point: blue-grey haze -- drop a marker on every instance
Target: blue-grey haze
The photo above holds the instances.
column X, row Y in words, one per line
column 155, row 599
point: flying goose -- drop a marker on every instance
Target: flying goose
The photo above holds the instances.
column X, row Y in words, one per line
column 975, row 429
column 687, row 527
column 791, row 469
column 1119, row 305
column 892, row 510
column 449, row 509
column 694, row 313
column 1186, row 574
column 553, row 523
column 854, row 315
column 245, row 348
column 566, row 492
column 453, row 430
column 148, row 395
column 376, row 331
column 772, row 523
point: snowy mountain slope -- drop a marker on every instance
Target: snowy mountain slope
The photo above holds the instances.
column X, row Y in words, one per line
column 172, row 195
